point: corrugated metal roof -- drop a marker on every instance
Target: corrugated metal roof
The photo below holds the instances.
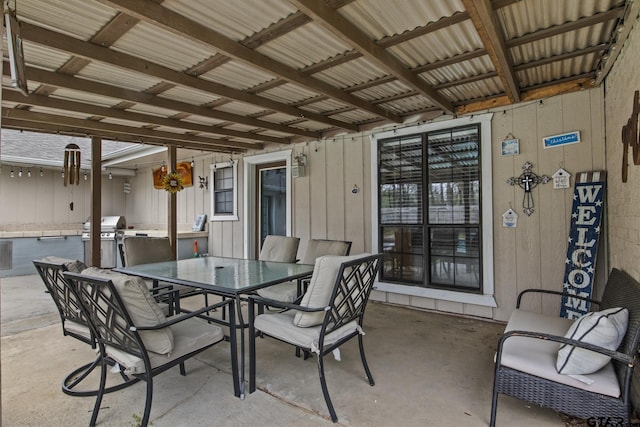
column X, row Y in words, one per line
column 276, row 65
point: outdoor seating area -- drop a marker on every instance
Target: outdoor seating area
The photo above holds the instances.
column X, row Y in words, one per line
column 449, row 365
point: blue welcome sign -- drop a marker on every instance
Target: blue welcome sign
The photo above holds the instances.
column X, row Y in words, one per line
column 586, row 214
column 562, row 139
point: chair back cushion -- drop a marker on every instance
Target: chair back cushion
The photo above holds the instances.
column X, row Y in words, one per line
column 317, row 248
column 142, row 308
column 318, row 294
column 279, row 249
column 144, row 250
column 72, row 265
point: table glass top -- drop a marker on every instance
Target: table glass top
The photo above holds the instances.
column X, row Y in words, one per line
column 229, row 275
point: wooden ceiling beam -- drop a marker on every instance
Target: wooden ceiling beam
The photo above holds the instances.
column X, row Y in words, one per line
column 90, row 109
column 131, row 131
column 129, row 62
column 488, row 28
column 341, row 27
column 84, row 85
column 75, row 131
column 182, row 26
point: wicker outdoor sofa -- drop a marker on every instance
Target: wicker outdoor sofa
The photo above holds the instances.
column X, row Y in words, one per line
column 527, row 358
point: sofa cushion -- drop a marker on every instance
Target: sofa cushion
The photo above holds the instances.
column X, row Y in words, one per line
column 323, row 280
column 602, row 328
column 142, row 308
column 538, row 357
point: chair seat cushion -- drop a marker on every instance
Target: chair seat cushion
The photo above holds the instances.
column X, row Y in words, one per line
column 189, row 335
column 142, row 307
column 281, row 326
column 538, row 357
column 286, row 292
column 602, row 328
column 78, row 329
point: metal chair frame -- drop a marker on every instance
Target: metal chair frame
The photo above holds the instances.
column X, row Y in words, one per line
column 348, row 301
column 113, row 327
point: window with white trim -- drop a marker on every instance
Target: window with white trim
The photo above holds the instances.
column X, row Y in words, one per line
column 224, row 191
column 432, row 210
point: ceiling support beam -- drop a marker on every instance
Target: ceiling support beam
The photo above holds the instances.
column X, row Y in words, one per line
column 486, row 24
column 150, row 12
column 85, row 85
column 91, row 125
column 116, row 113
column 122, row 60
column 341, row 27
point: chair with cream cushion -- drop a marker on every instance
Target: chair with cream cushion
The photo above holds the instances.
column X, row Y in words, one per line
column 131, row 329
column 581, row 367
column 74, row 323
column 279, row 248
column 144, row 250
column 330, row 313
column 290, row 291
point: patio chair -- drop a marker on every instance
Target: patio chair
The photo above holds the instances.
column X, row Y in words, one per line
column 331, row 313
column 74, row 323
column 279, row 248
column 130, row 329
column 291, row 291
column 144, row 250
column 546, row 359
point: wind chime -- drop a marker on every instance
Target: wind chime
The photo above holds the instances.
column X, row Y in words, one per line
column 71, row 167
column 528, row 180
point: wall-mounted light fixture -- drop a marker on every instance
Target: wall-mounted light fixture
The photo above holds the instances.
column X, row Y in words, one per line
column 298, row 166
column 355, row 189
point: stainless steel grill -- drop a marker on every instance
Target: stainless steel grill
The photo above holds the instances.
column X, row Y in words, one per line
column 111, row 231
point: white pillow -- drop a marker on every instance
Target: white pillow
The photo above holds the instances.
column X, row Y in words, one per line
column 602, row 328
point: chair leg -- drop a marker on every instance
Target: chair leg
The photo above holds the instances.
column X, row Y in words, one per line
column 252, row 349
column 494, row 405
column 103, row 382
column 325, row 390
column 183, row 371
column 364, row 361
column 147, row 404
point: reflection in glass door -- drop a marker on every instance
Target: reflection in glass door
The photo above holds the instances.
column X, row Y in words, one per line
column 271, row 200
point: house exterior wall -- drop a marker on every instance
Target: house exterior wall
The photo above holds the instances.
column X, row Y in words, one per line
column 623, row 198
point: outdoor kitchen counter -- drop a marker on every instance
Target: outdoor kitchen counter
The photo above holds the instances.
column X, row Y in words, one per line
column 163, row 233
column 38, row 233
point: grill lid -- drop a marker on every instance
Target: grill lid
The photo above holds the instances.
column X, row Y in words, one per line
column 108, row 223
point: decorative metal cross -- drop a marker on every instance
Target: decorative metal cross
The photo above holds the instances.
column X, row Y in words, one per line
column 528, row 181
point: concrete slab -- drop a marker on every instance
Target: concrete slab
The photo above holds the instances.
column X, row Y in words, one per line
column 429, row 369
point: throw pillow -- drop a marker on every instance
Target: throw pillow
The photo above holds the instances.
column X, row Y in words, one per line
column 602, row 328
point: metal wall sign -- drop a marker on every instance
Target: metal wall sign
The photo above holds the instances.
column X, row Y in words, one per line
column 586, row 215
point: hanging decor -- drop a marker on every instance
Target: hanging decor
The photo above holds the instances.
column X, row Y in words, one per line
column 183, row 169
column 510, row 218
column 510, row 145
column 172, row 182
column 71, row 165
column 528, row 180
column 561, row 179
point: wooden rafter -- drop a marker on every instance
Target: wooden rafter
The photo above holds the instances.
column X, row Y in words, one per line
column 122, row 60
column 338, row 25
column 182, row 26
column 483, row 18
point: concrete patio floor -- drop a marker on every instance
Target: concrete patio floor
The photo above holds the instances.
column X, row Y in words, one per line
column 430, row 369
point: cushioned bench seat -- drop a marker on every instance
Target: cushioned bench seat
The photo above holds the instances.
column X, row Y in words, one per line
column 538, row 357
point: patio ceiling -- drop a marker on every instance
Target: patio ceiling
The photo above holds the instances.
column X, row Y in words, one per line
column 232, row 76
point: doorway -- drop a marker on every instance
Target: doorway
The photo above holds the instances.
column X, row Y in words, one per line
column 267, row 198
column 271, row 201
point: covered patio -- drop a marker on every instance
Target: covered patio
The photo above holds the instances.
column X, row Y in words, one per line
column 437, row 372
column 387, row 124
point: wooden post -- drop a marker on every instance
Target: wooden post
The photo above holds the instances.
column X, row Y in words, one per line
column 172, row 211
column 96, row 201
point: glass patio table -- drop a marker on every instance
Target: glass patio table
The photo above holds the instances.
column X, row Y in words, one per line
column 226, row 277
